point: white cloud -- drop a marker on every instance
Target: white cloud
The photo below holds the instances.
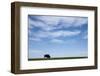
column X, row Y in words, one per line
column 48, row 23
column 80, row 22
column 56, row 34
column 53, row 35
column 33, row 24
column 65, row 33
column 68, row 20
column 35, row 39
column 50, row 20
column 57, row 41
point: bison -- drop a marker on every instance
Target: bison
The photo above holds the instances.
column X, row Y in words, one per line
column 47, row 56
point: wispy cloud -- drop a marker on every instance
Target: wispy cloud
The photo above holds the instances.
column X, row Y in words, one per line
column 65, row 33
column 35, row 39
column 55, row 34
column 50, row 23
column 52, row 27
column 57, row 41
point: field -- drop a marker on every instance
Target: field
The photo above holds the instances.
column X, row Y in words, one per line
column 32, row 59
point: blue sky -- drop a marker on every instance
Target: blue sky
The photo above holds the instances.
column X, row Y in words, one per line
column 59, row 36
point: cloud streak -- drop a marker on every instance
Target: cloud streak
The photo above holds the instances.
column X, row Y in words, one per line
column 53, row 27
column 57, row 41
column 56, row 34
column 50, row 23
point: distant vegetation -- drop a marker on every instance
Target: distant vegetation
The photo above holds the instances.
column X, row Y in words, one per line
column 47, row 57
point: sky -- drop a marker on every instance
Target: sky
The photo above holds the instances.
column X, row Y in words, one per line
column 58, row 36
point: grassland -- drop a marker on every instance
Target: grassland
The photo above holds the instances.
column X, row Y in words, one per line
column 32, row 59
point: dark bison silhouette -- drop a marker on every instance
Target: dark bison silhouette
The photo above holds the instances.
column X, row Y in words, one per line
column 47, row 56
